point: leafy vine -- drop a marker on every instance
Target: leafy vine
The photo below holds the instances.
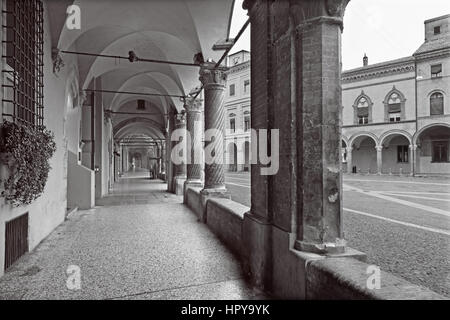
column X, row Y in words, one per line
column 26, row 151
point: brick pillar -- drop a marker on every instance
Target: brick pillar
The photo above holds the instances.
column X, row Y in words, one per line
column 349, row 160
column 214, row 80
column 379, row 158
column 194, row 128
column 296, row 214
column 180, row 169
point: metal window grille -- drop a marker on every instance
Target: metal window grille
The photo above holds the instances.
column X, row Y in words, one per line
column 23, row 53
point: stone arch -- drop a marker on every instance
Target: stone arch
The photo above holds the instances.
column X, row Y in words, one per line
column 129, row 121
column 345, row 140
column 402, row 98
column 361, row 134
column 389, row 133
column 363, row 153
column 422, row 130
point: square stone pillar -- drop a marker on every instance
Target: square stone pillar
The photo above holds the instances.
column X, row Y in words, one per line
column 296, row 214
column 214, row 79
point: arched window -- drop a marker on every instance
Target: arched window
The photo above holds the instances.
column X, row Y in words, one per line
column 363, row 110
column 436, row 104
column 394, row 106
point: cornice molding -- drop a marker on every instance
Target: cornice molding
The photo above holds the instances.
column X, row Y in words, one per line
column 238, row 68
column 377, row 72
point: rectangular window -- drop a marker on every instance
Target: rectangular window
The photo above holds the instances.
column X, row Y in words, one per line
column 394, row 117
column 24, row 54
column 363, row 120
column 440, row 151
column 232, row 90
column 233, row 125
column 436, row 70
column 437, row 30
column 246, row 86
column 247, row 123
column 141, row 105
column 402, row 154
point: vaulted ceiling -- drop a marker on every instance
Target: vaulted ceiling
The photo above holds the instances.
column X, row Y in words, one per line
column 169, row 30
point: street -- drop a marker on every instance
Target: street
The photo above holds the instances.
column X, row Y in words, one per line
column 401, row 223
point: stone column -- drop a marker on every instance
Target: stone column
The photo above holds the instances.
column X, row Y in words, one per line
column 349, row 160
column 180, row 169
column 214, row 80
column 412, row 158
column 163, row 157
column 296, row 213
column 379, row 158
column 195, row 158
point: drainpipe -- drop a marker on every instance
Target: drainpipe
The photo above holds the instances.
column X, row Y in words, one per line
column 413, row 150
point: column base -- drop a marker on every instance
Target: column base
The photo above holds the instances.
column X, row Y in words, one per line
column 272, row 262
column 178, row 185
column 212, row 193
column 191, row 183
column 337, row 247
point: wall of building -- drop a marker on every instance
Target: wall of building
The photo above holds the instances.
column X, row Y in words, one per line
column 47, row 212
column 237, row 107
column 377, row 89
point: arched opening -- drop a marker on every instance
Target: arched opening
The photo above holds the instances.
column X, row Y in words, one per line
column 364, row 154
column 232, row 157
column 396, row 154
column 433, row 150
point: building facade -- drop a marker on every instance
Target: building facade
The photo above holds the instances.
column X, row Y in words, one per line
column 237, row 106
column 395, row 115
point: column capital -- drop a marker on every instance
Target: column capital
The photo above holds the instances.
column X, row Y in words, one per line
column 336, row 8
column 349, row 149
column 413, row 147
column 193, row 105
column 379, row 148
column 212, row 75
column 180, row 119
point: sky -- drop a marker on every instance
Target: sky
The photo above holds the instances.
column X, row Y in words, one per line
column 383, row 29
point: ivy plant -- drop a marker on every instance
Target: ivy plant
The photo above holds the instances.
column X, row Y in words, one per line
column 26, row 151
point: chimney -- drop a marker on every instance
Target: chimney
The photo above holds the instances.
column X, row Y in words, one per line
column 365, row 61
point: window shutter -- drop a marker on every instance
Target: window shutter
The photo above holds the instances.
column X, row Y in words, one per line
column 363, row 112
column 436, row 105
column 394, row 107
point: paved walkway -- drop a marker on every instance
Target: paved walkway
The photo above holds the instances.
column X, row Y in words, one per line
column 141, row 243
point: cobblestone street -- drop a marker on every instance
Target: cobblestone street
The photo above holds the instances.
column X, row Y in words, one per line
column 401, row 223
